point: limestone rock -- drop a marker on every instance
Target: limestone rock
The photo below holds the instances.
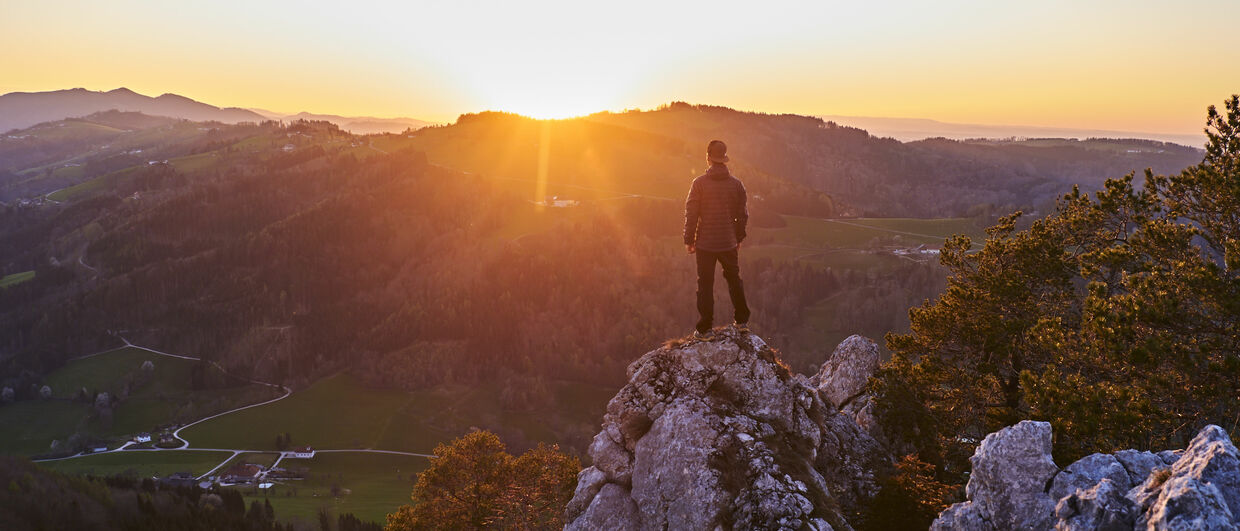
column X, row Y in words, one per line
column 612, row 459
column 1087, row 472
column 611, row 509
column 1187, row 503
column 1139, row 464
column 1195, row 488
column 589, row 481
column 963, row 516
column 1006, row 489
column 844, row 375
column 721, row 434
column 1101, row 507
column 1200, row 491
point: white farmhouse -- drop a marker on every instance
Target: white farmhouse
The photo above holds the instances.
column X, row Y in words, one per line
column 301, row 452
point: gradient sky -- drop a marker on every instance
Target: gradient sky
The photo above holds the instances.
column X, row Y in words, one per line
column 1125, row 65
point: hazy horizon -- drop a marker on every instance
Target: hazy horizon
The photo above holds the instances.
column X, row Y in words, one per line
column 902, row 128
column 1107, row 66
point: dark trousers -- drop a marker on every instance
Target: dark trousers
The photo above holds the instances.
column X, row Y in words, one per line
column 706, row 286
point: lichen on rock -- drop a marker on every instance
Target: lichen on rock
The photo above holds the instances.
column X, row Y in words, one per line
column 721, row 434
column 1196, row 488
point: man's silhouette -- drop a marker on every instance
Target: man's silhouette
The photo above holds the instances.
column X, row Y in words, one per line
column 715, row 217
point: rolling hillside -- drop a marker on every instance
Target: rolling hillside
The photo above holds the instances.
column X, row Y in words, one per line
column 431, row 262
column 19, row 110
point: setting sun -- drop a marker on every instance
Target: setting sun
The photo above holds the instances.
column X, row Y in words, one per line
column 553, row 99
column 552, row 264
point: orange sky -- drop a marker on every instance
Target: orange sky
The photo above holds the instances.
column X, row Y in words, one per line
column 1133, row 65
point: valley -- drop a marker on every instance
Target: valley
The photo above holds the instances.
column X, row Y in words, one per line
column 374, row 296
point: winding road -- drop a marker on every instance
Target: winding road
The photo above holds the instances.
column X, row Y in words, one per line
column 234, row 452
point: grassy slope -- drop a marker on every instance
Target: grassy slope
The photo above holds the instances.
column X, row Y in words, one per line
column 15, row 278
column 857, row 233
column 372, row 486
column 141, row 463
column 357, row 418
column 361, row 417
column 30, row 426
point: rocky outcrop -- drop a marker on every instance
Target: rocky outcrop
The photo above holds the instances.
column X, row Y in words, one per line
column 721, row 434
column 1007, row 488
column 1016, row 485
column 844, row 375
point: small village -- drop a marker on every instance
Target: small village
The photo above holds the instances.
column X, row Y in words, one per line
column 245, row 474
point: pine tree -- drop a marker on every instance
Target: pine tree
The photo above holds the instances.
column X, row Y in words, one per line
column 1116, row 318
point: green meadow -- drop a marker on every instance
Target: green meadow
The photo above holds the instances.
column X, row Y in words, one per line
column 140, row 463
column 16, row 278
column 368, row 485
column 161, row 397
column 341, row 412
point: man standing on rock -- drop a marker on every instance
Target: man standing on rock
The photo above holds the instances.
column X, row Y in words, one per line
column 715, row 218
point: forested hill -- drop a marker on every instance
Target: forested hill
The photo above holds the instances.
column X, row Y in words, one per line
column 289, row 252
column 883, row 177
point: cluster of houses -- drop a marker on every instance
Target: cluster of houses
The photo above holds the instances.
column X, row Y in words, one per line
column 146, row 438
column 248, row 474
column 555, row 201
column 920, row 250
column 33, row 201
column 260, row 476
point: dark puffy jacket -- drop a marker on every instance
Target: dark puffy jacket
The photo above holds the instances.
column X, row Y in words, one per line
column 715, row 212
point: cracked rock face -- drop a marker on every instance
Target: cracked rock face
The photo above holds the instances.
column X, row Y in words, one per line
column 1007, row 488
column 845, row 373
column 1196, row 488
column 720, row 434
column 1101, row 507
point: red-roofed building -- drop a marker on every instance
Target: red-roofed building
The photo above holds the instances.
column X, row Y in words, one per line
column 241, row 473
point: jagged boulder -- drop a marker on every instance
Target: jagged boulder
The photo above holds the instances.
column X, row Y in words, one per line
column 1087, row 472
column 844, row 375
column 1101, row 507
column 1200, row 491
column 1007, row 488
column 721, row 434
column 1140, row 464
column 1196, row 488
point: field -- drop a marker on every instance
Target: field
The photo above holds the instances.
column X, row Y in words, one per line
column 161, row 397
column 396, row 420
column 358, row 417
column 15, row 278
column 370, row 486
column 258, row 458
column 141, row 463
column 90, row 186
column 30, row 426
column 859, row 233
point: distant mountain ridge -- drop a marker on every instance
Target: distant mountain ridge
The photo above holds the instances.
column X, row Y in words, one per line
column 913, row 129
column 358, row 125
column 23, row 109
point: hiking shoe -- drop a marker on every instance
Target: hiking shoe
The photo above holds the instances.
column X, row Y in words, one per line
column 741, row 327
column 703, row 336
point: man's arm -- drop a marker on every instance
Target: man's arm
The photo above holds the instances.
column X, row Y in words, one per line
column 693, row 210
column 742, row 213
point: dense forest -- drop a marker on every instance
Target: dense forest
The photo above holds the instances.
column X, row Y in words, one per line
column 291, row 251
column 879, row 177
column 395, row 271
